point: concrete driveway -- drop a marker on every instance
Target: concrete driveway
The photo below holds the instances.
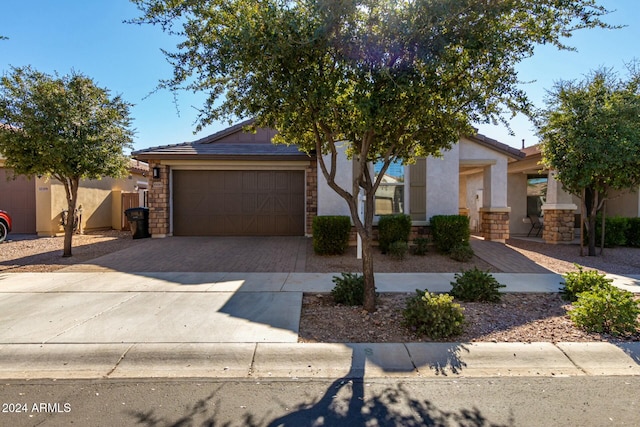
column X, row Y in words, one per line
column 205, row 254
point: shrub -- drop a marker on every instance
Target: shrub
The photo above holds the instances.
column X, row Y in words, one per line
column 421, row 246
column 462, row 253
column 615, row 231
column 393, row 228
column 607, row 309
column 435, row 316
column 476, row 285
column 633, row 232
column 450, row 231
column 398, row 249
column 331, row 234
column 349, row 289
column 581, row 281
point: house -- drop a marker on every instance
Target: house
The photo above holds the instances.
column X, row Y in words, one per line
column 238, row 183
column 36, row 204
column 532, row 190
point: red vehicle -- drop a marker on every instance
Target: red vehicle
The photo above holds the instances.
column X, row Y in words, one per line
column 5, row 225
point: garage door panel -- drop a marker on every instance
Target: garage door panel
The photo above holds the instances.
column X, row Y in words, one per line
column 239, row 203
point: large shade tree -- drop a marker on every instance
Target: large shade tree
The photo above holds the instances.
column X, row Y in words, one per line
column 590, row 135
column 63, row 127
column 390, row 79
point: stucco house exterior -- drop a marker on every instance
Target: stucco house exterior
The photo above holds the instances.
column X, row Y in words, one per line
column 238, row 183
column 36, row 204
column 533, row 190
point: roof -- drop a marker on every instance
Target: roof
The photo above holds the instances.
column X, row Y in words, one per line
column 497, row 145
column 232, row 143
column 533, row 150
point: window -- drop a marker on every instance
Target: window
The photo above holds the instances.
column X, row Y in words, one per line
column 390, row 193
column 536, row 194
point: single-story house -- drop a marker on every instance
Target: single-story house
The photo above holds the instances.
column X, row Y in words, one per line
column 36, row 204
column 534, row 191
column 238, row 183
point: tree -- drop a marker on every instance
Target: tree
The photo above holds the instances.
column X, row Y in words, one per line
column 63, row 127
column 392, row 80
column 591, row 137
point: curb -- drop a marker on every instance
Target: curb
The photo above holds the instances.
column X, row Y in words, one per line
column 317, row 361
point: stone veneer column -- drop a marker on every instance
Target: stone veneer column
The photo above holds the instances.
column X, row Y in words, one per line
column 159, row 202
column 558, row 223
column 312, row 195
column 494, row 224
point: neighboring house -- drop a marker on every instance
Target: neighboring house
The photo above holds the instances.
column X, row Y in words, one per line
column 239, row 183
column 36, row 204
column 533, row 191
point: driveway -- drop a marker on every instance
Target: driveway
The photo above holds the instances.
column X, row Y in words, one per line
column 205, row 254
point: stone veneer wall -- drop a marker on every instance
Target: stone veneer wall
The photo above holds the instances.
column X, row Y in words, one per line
column 159, row 202
column 312, row 195
column 558, row 225
column 494, row 225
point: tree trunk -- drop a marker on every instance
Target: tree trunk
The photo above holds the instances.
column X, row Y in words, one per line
column 71, row 189
column 369, row 303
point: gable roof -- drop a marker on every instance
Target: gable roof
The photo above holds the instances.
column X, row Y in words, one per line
column 232, row 143
column 497, row 146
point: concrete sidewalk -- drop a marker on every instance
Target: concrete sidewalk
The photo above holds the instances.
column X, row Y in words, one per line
column 245, row 325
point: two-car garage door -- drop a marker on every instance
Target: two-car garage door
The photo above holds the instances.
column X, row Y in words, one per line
column 238, row 203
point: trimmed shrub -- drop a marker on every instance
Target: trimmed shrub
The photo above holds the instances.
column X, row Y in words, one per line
column 633, row 232
column 331, row 234
column 393, row 228
column 476, row 285
column 435, row 316
column 579, row 281
column 615, row 231
column 462, row 253
column 398, row 249
column 606, row 309
column 450, row 231
column 349, row 289
column 421, row 246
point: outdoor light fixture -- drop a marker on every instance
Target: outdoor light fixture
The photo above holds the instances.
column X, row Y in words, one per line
column 156, row 172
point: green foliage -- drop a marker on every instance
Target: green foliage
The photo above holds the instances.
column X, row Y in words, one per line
column 398, row 249
column 348, row 289
column 450, row 231
column 607, row 309
column 421, row 246
column 590, row 136
column 64, row 127
column 433, row 315
column 461, row 253
column 393, row 228
column 576, row 282
column 331, row 234
column 633, row 232
column 476, row 285
column 615, row 231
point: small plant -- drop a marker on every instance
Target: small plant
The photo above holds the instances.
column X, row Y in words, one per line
column 348, row 289
column 581, row 281
column 435, row 316
column 462, row 253
column 398, row 249
column 331, row 234
column 476, row 285
column 392, row 228
column 421, row 246
column 607, row 309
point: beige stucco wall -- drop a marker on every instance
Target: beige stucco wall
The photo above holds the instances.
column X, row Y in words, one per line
column 94, row 196
column 517, row 199
column 624, row 203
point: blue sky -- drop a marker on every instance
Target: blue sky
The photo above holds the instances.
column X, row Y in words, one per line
column 89, row 36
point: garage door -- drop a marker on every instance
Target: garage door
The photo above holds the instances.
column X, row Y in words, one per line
column 18, row 197
column 238, row 203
